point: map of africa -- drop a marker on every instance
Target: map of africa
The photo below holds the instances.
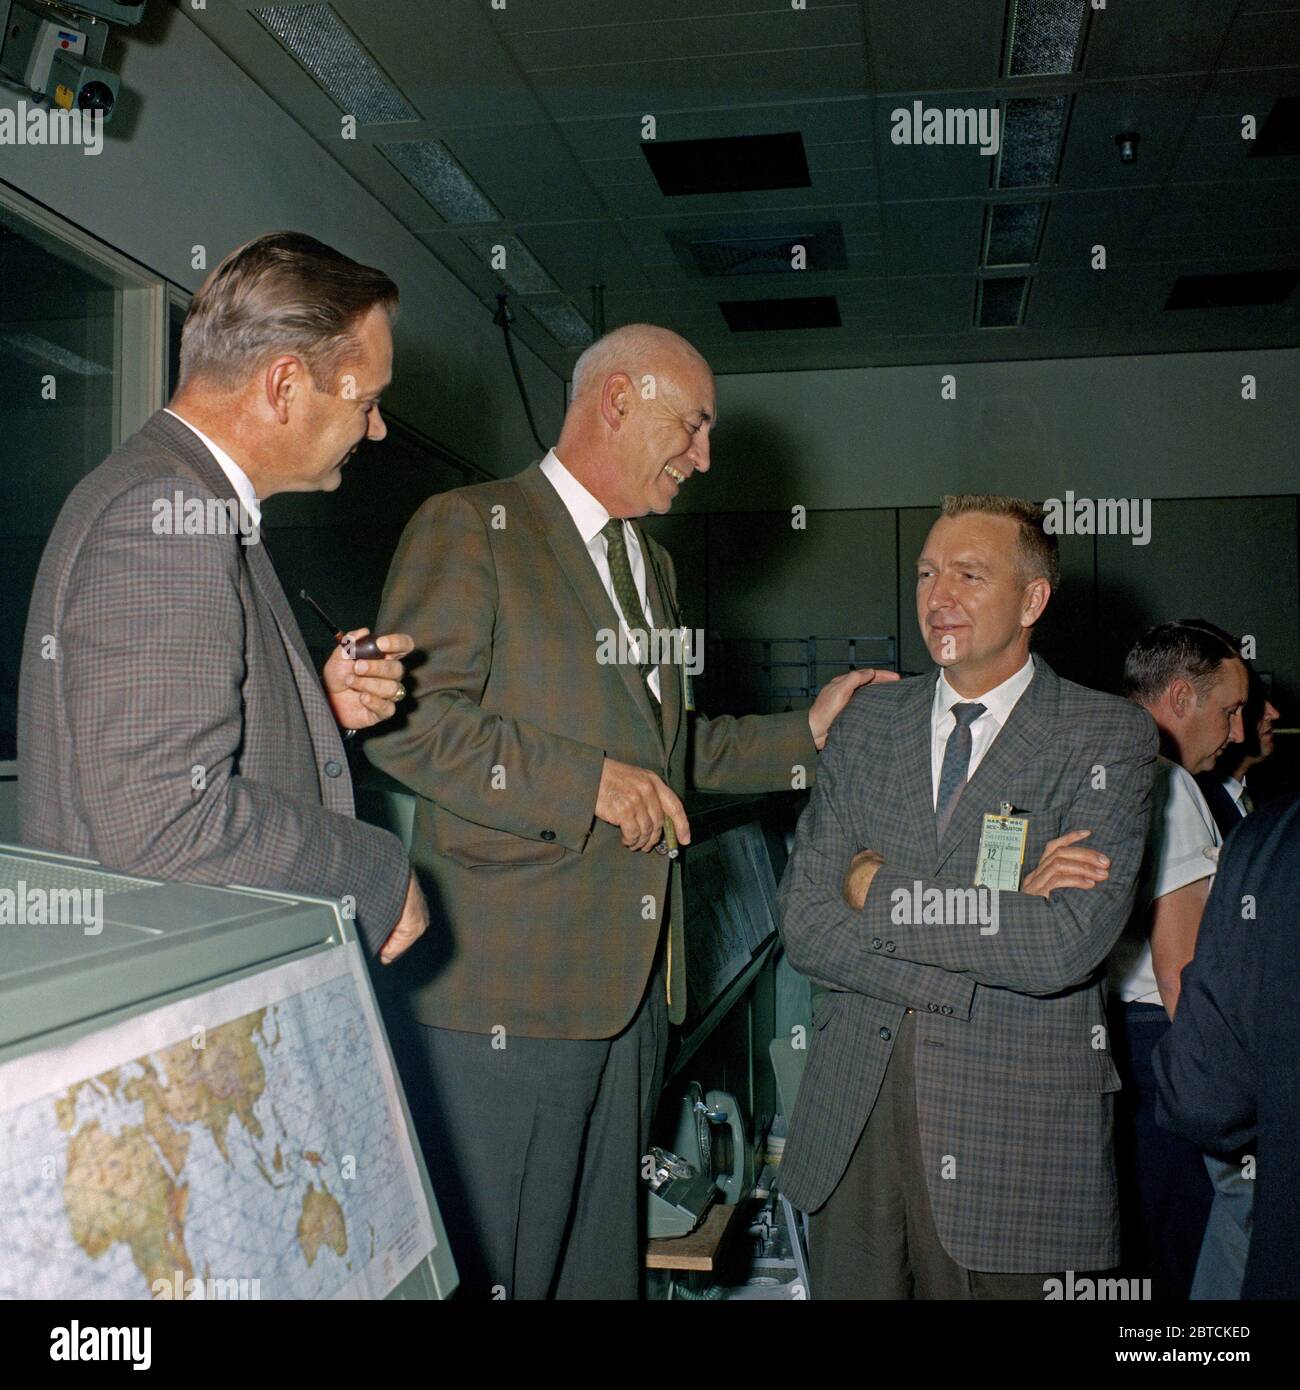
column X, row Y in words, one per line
column 246, row 1143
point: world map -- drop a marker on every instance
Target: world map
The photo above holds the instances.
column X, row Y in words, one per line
column 260, row 1156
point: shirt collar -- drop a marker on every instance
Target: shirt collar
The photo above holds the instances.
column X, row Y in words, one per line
column 239, row 480
column 1235, row 788
column 589, row 515
column 999, row 702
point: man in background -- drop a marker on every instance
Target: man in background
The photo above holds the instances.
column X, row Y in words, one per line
column 170, row 722
column 550, row 742
column 1189, row 677
column 1221, row 1264
column 1228, row 1069
column 1224, row 786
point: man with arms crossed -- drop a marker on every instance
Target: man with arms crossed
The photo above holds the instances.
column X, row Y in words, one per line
column 952, row 1133
column 545, row 775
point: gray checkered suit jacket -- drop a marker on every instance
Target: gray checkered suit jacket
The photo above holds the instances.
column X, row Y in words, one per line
column 148, row 656
column 1013, row 1070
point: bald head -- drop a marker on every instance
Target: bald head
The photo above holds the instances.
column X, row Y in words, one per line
column 637, row 349
column 638, row 423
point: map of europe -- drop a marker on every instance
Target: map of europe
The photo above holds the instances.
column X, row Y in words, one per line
column 261, row 1156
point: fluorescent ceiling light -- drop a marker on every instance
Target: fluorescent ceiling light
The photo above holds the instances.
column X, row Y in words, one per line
column 1045, row 36
column 1011, row 235
column 428, row 166
column 336, row 58
column 563, row 322
column 521, row 271
column 1031, row 139
column 1002, row 302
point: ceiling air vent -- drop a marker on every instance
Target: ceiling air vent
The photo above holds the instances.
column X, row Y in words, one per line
column 730, row 164
column 335, row 57
column 1031, row 141
column 771, row 251
column 1044, row 36
column 1280, row 133
column 1002, row 302
column 1235, row 291
column 773, row 315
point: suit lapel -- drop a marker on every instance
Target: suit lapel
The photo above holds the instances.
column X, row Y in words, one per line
column 575, row 561
column 912, row 759
column 1026, row 730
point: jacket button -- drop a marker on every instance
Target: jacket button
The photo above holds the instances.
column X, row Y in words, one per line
column 934, row 1008
column 548, row 834
column 889, row 945
column 885, row 1035
column 947, row 1009
column 876, row 943
column 333, row 769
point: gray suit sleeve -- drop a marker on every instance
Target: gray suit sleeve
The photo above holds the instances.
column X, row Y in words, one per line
column 824, row 938
column 151, row 661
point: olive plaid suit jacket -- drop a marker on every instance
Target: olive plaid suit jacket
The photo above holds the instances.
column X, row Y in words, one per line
column 540, row 920
column 1013, row 1066
column 149, row 655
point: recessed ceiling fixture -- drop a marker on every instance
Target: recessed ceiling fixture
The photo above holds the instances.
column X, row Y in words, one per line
column 336, row 58
column 1280, row 133
column 1011, row 233
column 428, row 166
column 1031, row 141
column 775, row 315
column 563, row 322
column 1235, row 291
column 520, row 270
column 729, row 164
column 1044, row 36
column 1002, row 302
column 766, row 251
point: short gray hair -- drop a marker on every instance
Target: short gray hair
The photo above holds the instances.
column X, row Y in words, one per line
column 281, row 292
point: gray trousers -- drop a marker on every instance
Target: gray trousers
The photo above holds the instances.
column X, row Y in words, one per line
column 1221, row 1269
column 875, row 1236
column 534, row 1150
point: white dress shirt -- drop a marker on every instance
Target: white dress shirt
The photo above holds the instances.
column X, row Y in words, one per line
column 590, row 516
column 239, row 480
column 998, row 704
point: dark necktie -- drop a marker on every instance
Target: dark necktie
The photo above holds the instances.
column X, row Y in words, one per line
column 1247, row 801
column 634, row 615
column 956, row 762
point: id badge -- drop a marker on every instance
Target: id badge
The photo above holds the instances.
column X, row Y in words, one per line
column 1001, row 852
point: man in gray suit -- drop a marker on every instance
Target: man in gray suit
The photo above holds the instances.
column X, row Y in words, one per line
column 952, row 1134
column 170, row 721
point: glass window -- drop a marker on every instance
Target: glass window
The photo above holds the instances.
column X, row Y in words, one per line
column 77, row 343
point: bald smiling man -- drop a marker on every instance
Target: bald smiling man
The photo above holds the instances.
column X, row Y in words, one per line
column 545, row 773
